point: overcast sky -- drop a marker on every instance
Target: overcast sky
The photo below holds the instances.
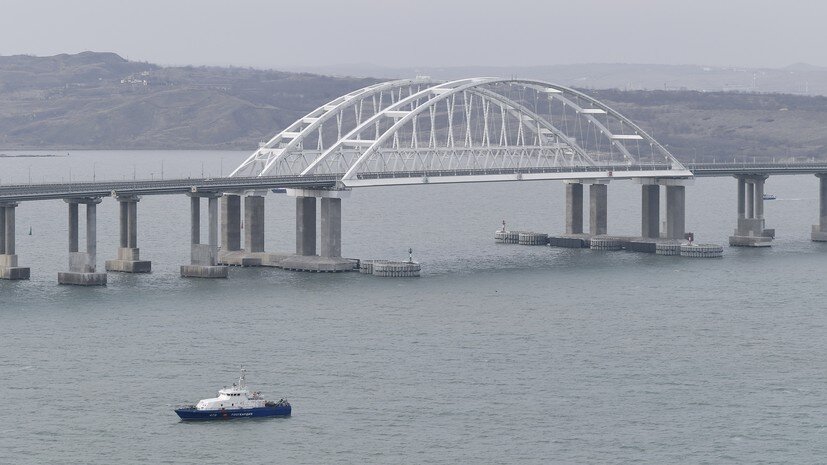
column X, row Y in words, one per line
column 295, row 33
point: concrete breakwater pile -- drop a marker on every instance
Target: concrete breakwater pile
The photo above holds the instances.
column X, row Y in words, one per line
column 671, row 247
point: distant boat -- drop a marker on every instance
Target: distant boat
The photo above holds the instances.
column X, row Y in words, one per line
column 769, row 197
column 234, row 402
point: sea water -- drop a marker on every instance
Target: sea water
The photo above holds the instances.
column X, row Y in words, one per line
column 497, row 354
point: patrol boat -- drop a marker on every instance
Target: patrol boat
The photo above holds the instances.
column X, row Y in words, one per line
column 234, row 402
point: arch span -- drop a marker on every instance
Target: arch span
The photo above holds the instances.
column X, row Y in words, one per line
column 474, row 129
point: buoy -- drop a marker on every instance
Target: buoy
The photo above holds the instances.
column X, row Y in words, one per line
column 30, row 230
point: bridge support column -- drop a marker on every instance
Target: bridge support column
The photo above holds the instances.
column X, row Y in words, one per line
column 330, row 252
column 254, row 223
column 83, row 265
column 203, row 257
column 305, row 226
column 574, row 207
column 598, row 209
column 750, row 231
column 675, row 212
column 331, row 222
column 650, row 211
column 742, row 195
column 819, row 233
column 8, row 256
column 128, row 260
column 230, row 223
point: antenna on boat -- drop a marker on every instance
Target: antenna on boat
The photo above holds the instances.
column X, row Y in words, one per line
column 241, row 379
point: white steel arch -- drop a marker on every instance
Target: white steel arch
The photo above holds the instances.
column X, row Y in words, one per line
column 476, row 129
column 290, row 141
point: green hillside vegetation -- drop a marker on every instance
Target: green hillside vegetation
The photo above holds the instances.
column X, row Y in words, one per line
column 101, row 101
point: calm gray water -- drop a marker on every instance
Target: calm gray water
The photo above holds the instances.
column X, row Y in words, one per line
column 497, row 354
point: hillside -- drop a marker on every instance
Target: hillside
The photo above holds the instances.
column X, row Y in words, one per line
column 101, row 101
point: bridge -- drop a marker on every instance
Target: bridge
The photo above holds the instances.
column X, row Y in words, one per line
column 409, row 132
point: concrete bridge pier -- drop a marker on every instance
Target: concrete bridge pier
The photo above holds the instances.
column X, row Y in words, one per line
column 330, row 253
column 750, row 231
column 650, row 211
column 598, row 208
column 230, row 223
column 305, row 226
column 128, row 260
column 331, row 223
column 83, row 265
column 675, row 207
column 819, row 233
column 232, row 253
column 204, row 257
column 8, row 257
column 254, row 223
column 675, row 225
column 574, row 207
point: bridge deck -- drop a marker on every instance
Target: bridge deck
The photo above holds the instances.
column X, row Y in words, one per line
column 170, row 186
column 733, row 169
column 182, row 186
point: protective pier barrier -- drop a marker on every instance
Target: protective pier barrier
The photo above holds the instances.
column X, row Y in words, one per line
column 507, row 237
column 568, row 242
column 668, row 248
column 640, row 246
column 606, row 243
column 366, row 266
column 389, row 269
column 532, row 238
column 702, row 251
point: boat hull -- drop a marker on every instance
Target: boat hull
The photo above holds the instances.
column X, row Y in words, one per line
column 193, row 414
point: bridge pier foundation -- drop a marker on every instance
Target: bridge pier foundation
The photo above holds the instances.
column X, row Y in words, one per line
column 819, row 233
column 8, row 257
column 574, row 207
column 83, row 265
column 750, row 231
column 203, row 257
column 129, row 254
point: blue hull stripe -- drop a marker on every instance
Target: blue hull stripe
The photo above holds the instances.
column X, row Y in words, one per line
column 193, row 414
